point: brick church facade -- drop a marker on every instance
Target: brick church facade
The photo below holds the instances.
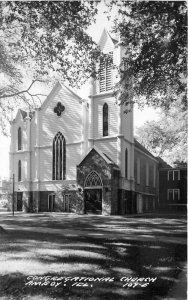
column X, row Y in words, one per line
column 76, row 155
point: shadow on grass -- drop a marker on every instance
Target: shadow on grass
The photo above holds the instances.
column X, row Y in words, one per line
column 91, row 247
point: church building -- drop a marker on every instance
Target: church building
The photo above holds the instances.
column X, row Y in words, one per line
column 77, row 155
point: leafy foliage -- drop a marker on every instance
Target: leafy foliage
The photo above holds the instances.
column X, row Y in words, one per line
column 166, row 137
column 42, row 41
column 154, row 36
column 52, row 33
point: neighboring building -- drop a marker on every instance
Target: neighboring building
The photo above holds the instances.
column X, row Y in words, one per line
column 173, row 188
column 70, row 142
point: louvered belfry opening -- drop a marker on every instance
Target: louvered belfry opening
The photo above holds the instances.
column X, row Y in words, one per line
column 105, row 72
column 59, row 157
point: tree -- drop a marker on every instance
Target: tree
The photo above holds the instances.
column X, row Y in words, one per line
column 166, row 137
column 154, row 36
column 41, row 40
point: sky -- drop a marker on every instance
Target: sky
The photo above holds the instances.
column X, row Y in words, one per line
column 140, row 117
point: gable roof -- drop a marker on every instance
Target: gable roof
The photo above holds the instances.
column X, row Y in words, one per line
column 58, row 86
column 107, row 159
column 162, row 163
column 106, row 37
column 23, row 114
column 143, row 149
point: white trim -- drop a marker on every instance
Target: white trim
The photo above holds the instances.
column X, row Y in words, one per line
column 50, row 146
column 93, row 187
column 105, row 138
column 173, row 172
column 173, row 194
column 66, row 181
column 103, row 94
column 20, row 151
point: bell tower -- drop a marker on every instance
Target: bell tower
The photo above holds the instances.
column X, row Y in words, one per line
column 111, row 130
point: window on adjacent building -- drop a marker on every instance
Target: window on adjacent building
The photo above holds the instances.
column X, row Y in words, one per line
column 19, row 170
column 173, row 195
column 138, row 170
column 173, row 175
column 19, row 138
column 59, row 157
column 105, row 72
column 105, row 119
column 176, row 175
column 126, row 163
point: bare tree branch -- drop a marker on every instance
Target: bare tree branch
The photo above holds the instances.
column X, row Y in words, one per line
column 10, row 93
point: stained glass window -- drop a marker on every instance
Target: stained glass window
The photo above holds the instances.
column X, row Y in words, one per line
column 105, row 119
column 19, row 138
column 93, row 180
column 19, row 170
column 59, row 157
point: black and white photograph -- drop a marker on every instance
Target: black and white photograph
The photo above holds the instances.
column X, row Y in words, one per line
column 93, row 150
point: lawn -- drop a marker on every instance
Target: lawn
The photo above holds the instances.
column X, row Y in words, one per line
column 67, row 256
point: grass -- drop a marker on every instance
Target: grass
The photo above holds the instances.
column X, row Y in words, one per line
column 92, row 246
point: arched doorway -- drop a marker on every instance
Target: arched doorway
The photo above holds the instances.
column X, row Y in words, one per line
column 93, row 193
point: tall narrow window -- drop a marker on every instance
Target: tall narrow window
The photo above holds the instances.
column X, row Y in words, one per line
column 19, row 170
column 59, row 157
column 105, row 72
column 147, row 174
column 126, row 163
column 138, row 170
column 105, row 119
column 154, row 176
column 19, row 138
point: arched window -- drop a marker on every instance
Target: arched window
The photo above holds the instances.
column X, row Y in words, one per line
column 59, row 157
column 93, row 180
column 19, row 170
column 105, row 119
column 19, row 138
column 126, row 163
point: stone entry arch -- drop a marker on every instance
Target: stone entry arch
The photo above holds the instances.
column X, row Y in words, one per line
column 93, row 180
column 93, row 193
